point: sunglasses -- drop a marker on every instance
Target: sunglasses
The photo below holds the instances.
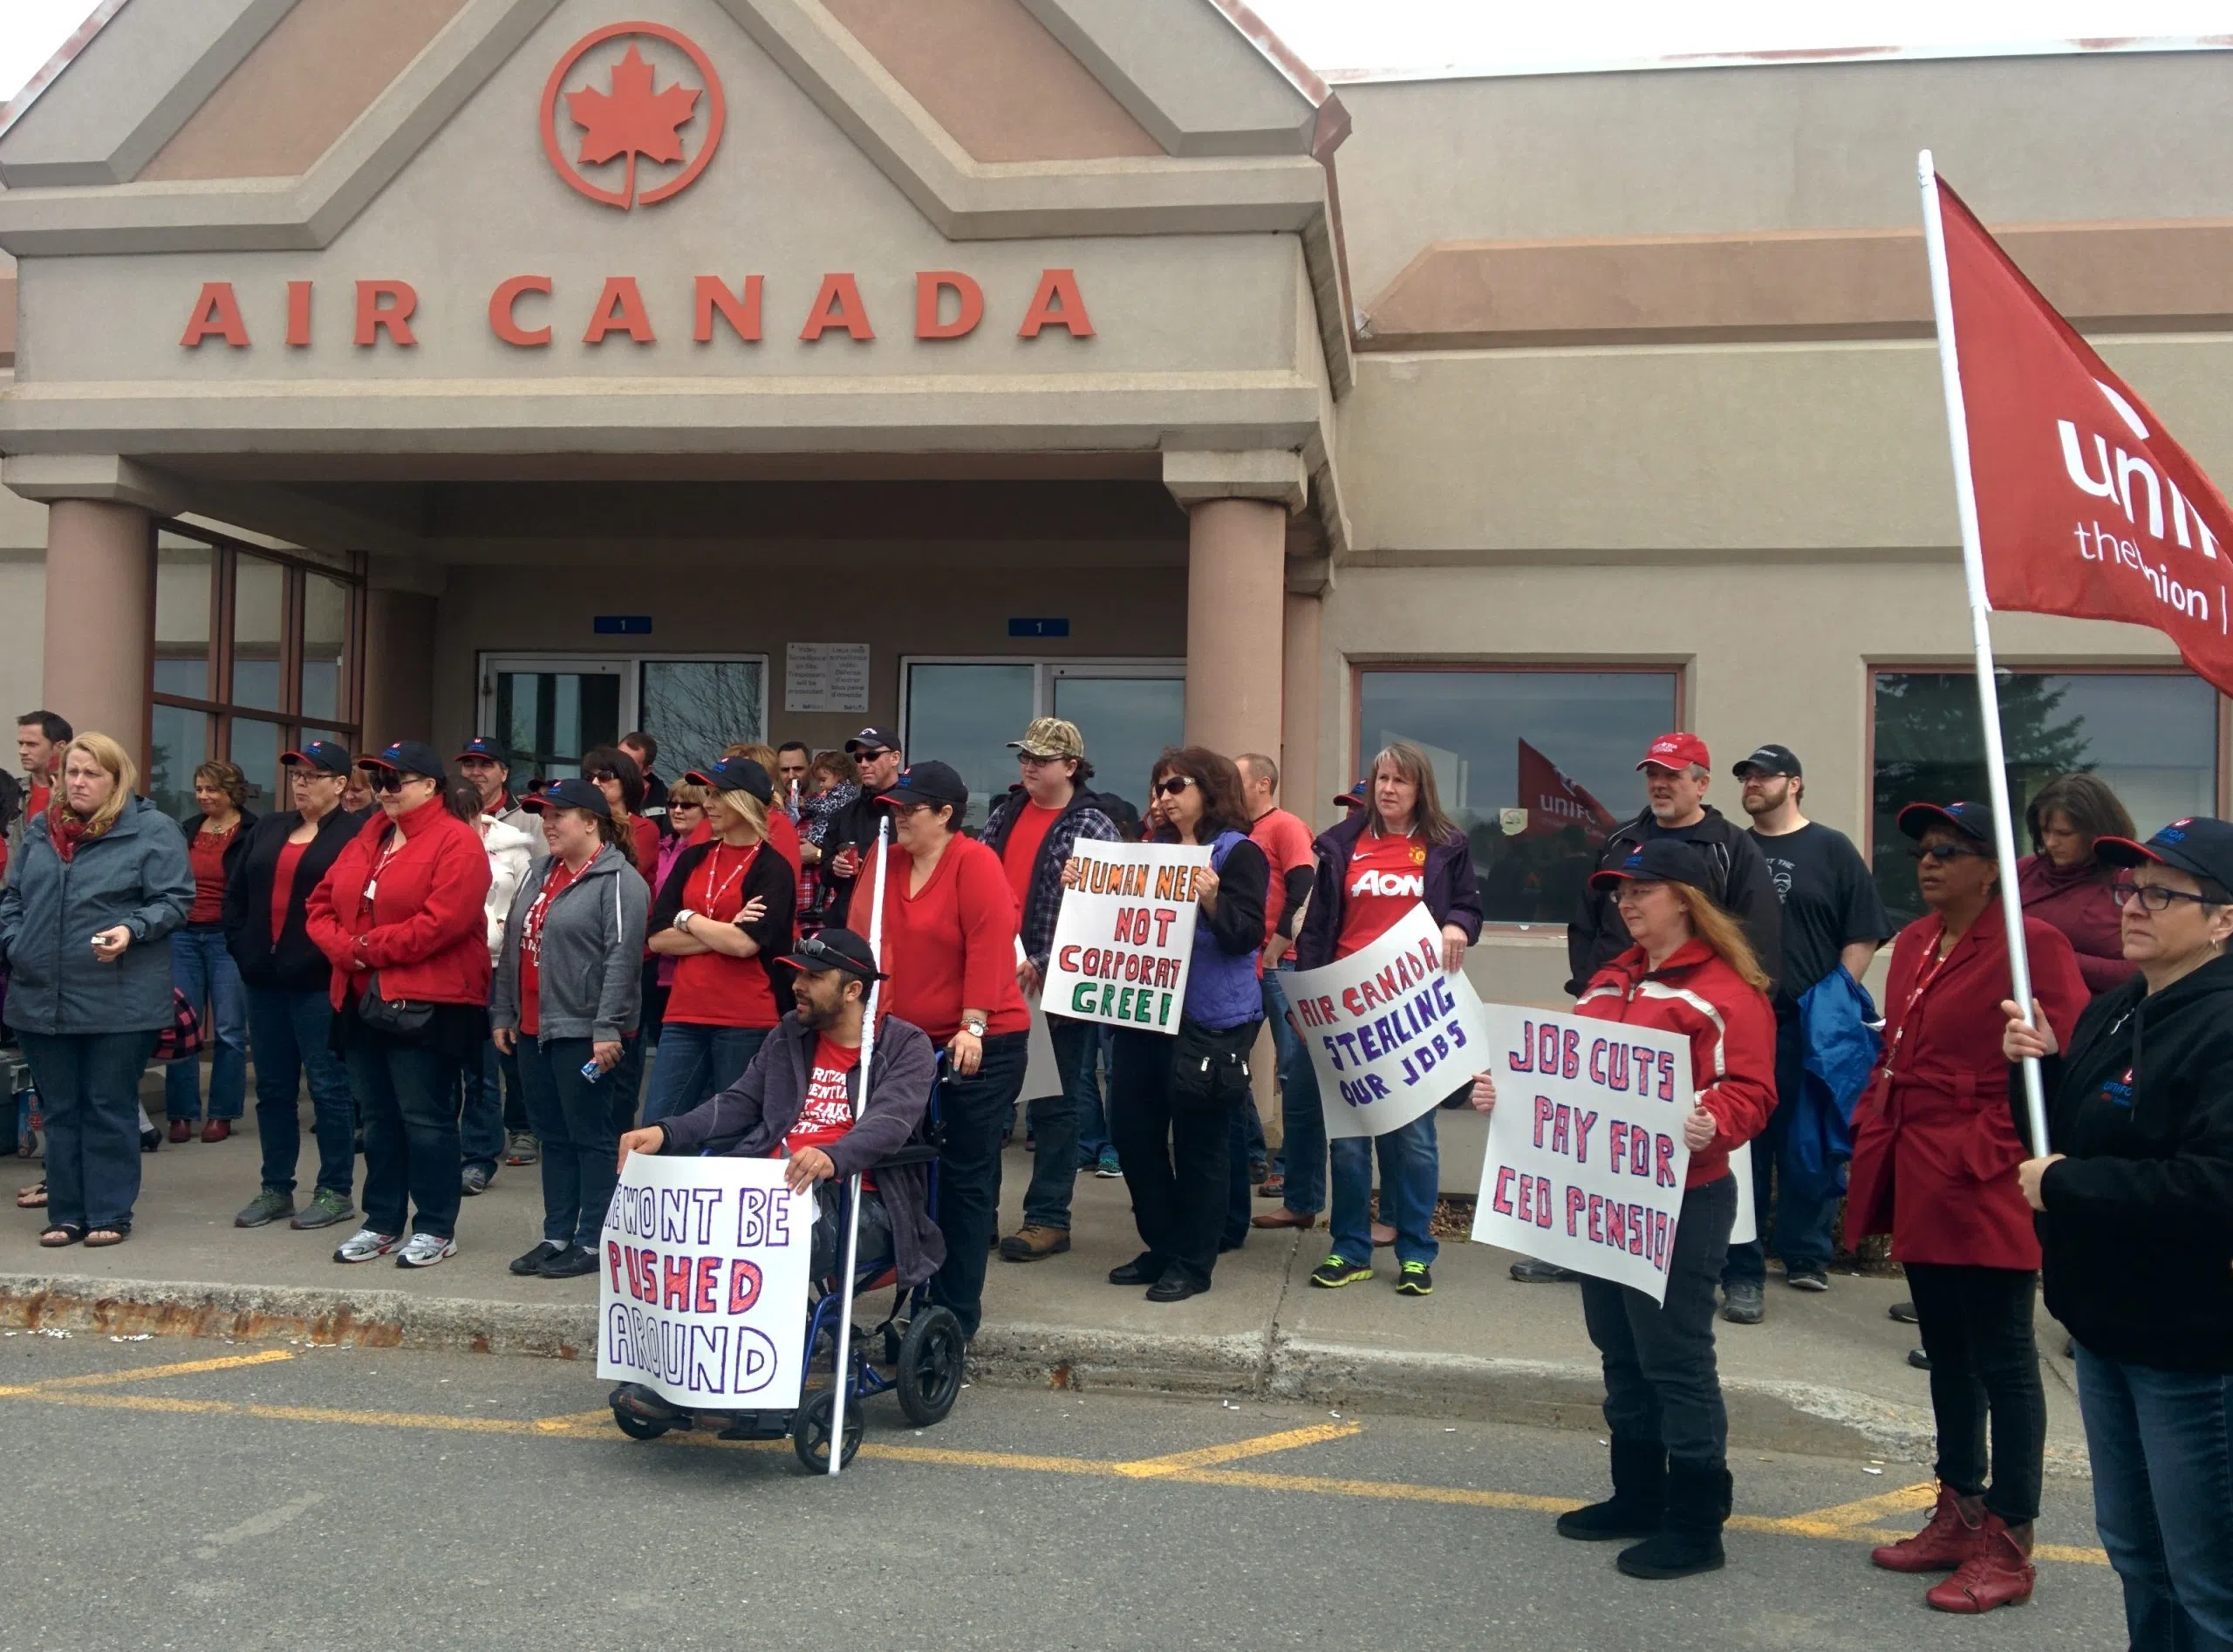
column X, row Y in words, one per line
column 822, row 952
column 390, row 780
column 600, row 775
column 1172, row 785
column 1944, row 852
column 2153, row 898
column 866, row 756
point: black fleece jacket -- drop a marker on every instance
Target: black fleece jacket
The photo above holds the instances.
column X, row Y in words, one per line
column 1741, row 888
column 293, row 962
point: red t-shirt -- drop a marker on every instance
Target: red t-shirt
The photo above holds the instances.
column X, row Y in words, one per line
column 950, row 945
column 40, row 798
column 712, row 989
column 1386, row 879
column 828, row 1113
column 1021, row 851
column 645, row 836
column 206, row 851
column 531, row 949
column 282, row 884
column 1285, row 842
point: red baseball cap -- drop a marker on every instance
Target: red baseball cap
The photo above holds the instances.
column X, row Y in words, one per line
column 1678, row 750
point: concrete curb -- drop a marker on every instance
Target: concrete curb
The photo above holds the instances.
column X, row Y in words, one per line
column 1763, row 1415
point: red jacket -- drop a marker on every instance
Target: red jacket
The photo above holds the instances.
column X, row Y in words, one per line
column 1732, row 1033
column 1935, row 1148
column 949, row 947
column 2077, row 902
column 427, row 935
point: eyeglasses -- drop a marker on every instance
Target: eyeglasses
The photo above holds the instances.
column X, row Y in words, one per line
column 1944, row 852
column 2153, row 898
column 1172, row 785
column 1032, row 760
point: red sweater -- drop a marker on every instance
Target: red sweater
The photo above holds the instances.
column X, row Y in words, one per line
column 2077, row 902
column 951, row 945
column 427, row 933
column 1731, row 1027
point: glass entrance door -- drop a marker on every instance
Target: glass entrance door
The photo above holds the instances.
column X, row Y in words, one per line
column 549, row 711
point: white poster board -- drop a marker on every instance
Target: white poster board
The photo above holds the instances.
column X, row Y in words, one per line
column 826, row 677
column 1585, row 1159
column 1124, row 936
column 702, row 1294
column 1390, row 1034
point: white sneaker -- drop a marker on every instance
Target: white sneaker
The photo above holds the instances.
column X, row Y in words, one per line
column 423, row 1250
column 364, row 1245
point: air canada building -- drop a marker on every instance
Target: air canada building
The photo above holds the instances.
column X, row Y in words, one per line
column 738, row 368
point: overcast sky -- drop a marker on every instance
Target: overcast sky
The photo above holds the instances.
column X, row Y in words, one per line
column 1342, row 37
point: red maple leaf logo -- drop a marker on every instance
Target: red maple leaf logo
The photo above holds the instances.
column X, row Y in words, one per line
column 631, row 119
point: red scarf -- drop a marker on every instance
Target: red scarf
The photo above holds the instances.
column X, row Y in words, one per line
column 67, row 831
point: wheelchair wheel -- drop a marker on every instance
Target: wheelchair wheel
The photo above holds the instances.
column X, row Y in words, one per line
column 638, row 1428
column 810, row 1431
column 930, row 1363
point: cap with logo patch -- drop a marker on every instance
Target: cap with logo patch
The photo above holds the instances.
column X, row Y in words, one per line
column 931, row 783
column 1972, row 821
column 1353, row 798
column 735, row 775
column 1676, row 751
column 2201, row 845
column 409, row 757
column 486, row 749
column 1658, row 860
column 327, row 756
column 1769, row 760
column 570, row 793
column 871, row 739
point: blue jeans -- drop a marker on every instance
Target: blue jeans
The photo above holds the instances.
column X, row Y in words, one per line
column 290, row 1035
column 1093, row 1114
column 2162, row 1448
column 1791, row 1209
column 409, row 1094
column 581, row 1149
column 89, row 1095
column 1410, row 1180
column 1302, row 1116
column 1056, row 1122
column 695, row 1062
column 480, row 1116
column 203, row 969
column 973, row 1110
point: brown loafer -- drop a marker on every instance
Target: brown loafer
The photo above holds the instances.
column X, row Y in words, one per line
column 1285, row 1218
column 1029, row 1244
column 217, row 1130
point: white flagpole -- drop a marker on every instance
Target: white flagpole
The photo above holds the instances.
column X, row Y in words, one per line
column 853, row 1187
column 1973, row 571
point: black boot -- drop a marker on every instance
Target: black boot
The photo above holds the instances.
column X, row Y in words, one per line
column 1638, row 1500
column 1689, row 1539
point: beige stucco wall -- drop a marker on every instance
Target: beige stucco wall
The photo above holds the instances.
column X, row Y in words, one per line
column 22, row 603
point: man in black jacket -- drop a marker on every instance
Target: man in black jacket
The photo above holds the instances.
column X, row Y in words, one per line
column 845, row 846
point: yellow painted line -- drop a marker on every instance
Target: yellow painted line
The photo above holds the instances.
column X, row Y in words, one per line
column 989, row 1459
column 1868, row 1510
column 1397, row 1491
column 573, row 1422
column 1210, row 1455
column 185, row 1368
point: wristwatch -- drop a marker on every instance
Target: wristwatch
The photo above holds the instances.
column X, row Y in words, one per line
column 976, row 1029
column 682, row 920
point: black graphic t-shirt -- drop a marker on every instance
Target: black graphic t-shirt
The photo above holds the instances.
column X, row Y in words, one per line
column 1829, row 900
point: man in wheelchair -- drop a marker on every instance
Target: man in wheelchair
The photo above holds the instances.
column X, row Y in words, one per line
column 796, row 1101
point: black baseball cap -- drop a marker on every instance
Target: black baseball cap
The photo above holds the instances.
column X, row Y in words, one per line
column 482, row 746
column 735, row 775
column 1662, row 860
column 872, row 738
column 1768, row 759
column 835, row 949
column 2200, row 844
column 570, row 793
column 927, row 783
column 409, row 757
column 1972, row 821
column 327, row 756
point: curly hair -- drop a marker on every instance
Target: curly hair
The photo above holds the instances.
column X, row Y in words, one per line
column 1224, row 805
column 227, row 778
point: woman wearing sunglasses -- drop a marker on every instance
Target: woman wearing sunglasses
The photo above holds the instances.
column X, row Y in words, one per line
column 2135, row 1202
column 1935, row 1153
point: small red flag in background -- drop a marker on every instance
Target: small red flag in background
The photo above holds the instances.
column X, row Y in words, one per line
column 2086, row 505
column 1554, row 799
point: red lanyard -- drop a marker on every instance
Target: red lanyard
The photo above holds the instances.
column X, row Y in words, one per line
column 1934, row 961
column 373, row 884
column 531, row 931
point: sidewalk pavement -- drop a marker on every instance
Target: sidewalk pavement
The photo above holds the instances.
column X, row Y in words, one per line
column 1826, row 1374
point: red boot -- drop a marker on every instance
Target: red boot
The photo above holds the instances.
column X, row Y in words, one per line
column 2000, row 1573
column 1952, row 1534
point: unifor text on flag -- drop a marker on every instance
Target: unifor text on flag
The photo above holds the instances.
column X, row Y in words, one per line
column 2086, row 505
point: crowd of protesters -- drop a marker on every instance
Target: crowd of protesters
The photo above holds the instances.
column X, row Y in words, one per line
column 464, row 977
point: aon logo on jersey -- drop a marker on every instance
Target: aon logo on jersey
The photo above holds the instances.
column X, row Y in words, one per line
column 1394, row 884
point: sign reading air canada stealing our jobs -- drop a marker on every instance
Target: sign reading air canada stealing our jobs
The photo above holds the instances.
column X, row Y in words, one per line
column 1586, row 1159
column 1390, row 1035
column 1124, row 936
column 702, row 1295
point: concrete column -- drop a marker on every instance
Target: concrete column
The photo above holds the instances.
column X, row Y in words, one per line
column 99, row 622
column 399, row 667
column 1300, row 792
column 1236, row 601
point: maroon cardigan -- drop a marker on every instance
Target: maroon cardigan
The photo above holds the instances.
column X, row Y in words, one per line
column 2077, row 902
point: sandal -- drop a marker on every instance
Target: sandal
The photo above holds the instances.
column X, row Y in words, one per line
column 60, row 1234
column 32, row 1198
column 113, row 1234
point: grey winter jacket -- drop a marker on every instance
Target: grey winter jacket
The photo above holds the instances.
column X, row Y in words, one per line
column 592, row 957
column 136, row 874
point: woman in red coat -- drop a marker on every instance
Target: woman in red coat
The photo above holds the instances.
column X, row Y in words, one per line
column 1935, row 1153
column 2064, row 885
column 399, row 916
column 1692, row 973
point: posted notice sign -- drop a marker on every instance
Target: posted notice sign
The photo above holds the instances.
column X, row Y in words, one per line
column 1390, row 1035
column 1586, row 1157
column 702, row 1295
column 1126, row 934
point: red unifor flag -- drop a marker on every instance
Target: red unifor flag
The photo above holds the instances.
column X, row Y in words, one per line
column 2085, row 506
column 1554, row 799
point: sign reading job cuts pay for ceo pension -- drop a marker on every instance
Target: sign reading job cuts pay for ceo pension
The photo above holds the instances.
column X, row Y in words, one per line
column 702, row 1294
column 1124, row 937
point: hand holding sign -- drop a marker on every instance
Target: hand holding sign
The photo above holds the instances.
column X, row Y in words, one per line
column 1124, row 936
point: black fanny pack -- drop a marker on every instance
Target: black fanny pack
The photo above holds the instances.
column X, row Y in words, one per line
column 402, row 1018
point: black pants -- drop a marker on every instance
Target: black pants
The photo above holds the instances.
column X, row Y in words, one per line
column 1985, row 1365
column 975, row 1110
column 1175, row 1150
column 1662, row 1386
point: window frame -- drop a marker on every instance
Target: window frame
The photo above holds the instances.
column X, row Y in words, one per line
column 1045, row 668
column 626, row 665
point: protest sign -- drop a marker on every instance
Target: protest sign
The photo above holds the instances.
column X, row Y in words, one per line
column 1586, row 1157
column 1390, row 1035
column 702, row 1295
column 1126, row 934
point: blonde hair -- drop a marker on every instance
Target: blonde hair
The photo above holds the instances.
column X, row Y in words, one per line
column 689, row 794
column 113, row 758
column 1412, row 763
column 760, row 754
column 1721, row 932
column 754, row 811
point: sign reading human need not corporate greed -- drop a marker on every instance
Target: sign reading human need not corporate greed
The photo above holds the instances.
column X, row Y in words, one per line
column 1390, row 1035
column 1126, row 934
column 702, row 1295
column 1586, row 1157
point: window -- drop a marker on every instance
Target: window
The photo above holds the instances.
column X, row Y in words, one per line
column 2151, row 735
column 549, row 710
column 1535, row 765
column 255, row 651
